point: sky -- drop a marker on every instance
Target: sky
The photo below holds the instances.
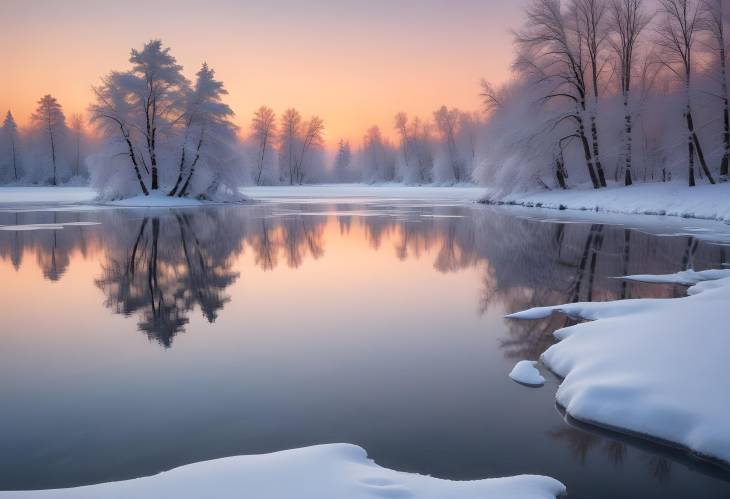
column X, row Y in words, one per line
column 353, row 63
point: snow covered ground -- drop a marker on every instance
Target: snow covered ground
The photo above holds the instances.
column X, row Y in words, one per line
column 710, row 202
column 651, row 367
column 526, row 372
column 47, row 194
column 364, row 192
column 334, row 471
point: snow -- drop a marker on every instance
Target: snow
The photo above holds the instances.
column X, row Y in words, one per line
column 46, row 194
column 655, row 368
column 355, row 193
column 525, row 372
column 52, row 226
column 710, row 202
column 333, row 471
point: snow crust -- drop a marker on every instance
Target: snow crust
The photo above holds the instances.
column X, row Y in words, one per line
column 333, row 471
column 652, row 367
column 710, row 202
column 525, row 372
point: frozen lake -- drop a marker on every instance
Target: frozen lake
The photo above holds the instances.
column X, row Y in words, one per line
column 134, row 341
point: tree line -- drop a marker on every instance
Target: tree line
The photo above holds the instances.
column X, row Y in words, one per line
column 611, row 90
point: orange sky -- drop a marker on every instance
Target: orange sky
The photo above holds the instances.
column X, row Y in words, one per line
column 354, row 63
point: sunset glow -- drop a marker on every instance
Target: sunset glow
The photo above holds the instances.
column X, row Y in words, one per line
column 353, row 63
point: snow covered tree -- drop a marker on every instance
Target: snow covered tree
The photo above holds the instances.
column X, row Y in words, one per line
column 311, row 140
column 263, row 131
column 627, row 20
column 376, row 158
column 50, row 122
column 208, row 121
column 113, row 114
column 10, row 146
column 447, row 123
column 677, row 35
column 157, row 88
column 550, row 56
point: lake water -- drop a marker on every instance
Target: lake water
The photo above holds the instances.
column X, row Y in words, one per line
column 153, row 339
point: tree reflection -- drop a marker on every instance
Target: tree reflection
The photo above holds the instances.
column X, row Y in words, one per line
column 165, row 273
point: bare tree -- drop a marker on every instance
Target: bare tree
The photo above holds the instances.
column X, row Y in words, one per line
column 589, row 23
column 627, row 20
column 677, row 33
column 312, row 138
column 291, row 122
column 263, row 127
column 549, row 55
column 716, row 13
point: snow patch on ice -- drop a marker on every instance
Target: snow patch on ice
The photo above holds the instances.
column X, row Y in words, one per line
column 525, row 372
column 652, row 367
column 334, row 471
column 48, row 226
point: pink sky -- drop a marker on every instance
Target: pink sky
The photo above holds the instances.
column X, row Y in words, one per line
column 354, row 63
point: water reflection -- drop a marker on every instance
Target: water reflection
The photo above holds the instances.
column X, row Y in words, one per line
column 328, row 315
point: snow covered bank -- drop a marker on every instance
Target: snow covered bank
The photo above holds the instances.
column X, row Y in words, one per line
column 335, row 471
column 651, row 367
column 711, row 202
column 365, row 192
column 48, row 194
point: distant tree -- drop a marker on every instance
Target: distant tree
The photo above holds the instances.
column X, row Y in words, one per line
column 263, row 129
column 10, row 134
column 157, row 95
column 401, row 126
column 77, row 127
column 291, row 122
column 343, row 158
column 677, row 32
column 627, row 20
column 447, row 123
column 50, row 120
column 312, row 138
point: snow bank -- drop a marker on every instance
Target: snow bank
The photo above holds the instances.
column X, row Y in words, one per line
column 47, row 194
column 363, row 192
column 525, row 372
column 651, row 367
column 710, row 202
column 335, row 471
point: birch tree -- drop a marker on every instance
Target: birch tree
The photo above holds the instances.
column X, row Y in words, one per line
column 291, row 122
column 627, row 20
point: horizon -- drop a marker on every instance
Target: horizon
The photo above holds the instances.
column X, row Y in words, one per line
column 352, row 82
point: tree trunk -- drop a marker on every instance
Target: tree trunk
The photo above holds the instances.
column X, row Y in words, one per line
column 183, row 191
column 627, row 131
column 153, row 162
column 691, row 149
column 133, row 157
column 696, row 140
column 596, row 157
column 53, row 153
column 587, row 153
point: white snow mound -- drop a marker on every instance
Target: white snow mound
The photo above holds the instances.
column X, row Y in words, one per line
column 334, row 471
column 525, row 372
column 652, row 367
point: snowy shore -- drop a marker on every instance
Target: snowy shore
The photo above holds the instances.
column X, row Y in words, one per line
column 710, row 202
column 333, row 471
column 650, row 367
